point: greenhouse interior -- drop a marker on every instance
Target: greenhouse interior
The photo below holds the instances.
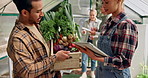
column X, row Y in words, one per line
column 77, row 11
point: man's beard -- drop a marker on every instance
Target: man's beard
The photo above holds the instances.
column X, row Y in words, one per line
column 32, row 21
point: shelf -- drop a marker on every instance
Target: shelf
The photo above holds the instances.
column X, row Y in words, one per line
column 3, row 55
column 9, row 14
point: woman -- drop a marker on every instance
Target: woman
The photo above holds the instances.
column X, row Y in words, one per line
column 118, row 39
column 93, row 24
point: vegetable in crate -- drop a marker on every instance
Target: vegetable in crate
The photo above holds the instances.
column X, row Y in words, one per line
column 60, row 27
column 66, row 41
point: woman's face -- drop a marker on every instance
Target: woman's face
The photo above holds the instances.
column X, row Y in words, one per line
column 92, row 15
column 110, row 6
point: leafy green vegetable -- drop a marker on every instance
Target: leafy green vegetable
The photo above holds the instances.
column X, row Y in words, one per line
column 59, row 22
column 45, row 27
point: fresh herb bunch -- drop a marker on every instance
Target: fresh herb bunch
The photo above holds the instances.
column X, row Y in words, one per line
column 63, row 23
column 48, row 30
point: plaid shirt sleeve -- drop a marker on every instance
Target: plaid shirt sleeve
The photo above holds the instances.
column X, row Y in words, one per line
column 123, row 45
column 24, row 63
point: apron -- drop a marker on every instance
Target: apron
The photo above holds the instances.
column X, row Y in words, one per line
column 106, row 71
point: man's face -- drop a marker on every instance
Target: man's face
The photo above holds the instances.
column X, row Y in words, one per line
column 36, row 12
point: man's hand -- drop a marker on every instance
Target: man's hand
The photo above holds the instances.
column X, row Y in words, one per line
column 62, row 55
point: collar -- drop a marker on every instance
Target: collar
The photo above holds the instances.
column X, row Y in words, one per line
column 97, row 20
column 118, row 17
column 19, row 25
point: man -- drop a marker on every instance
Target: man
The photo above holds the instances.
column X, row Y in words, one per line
column 27, row 48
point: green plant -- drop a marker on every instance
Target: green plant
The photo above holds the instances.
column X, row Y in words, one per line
column 142, row 76
column 60, row 27
column 144, row 73
column 59, row 22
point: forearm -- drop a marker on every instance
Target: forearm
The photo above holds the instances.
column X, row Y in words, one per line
column 101, row 59
column 29, row 69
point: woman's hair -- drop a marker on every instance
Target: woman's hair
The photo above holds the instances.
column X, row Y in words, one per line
column 24, row 4
column 93, row 10
column 122, row 3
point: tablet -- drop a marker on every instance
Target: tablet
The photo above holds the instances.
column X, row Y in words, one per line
column 93, row 48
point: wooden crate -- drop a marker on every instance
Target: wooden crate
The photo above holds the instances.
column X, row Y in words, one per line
column 72, row 63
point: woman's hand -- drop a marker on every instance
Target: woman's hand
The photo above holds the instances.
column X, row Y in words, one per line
column 91, row 37
column 94, row 29
column 92, row 32
column 83, row 32
column 90, row 53
column 87, row 51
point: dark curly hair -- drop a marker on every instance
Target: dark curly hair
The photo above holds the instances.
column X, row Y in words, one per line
column 24, row 4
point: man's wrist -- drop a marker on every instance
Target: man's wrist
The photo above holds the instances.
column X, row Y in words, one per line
column 54, row 56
